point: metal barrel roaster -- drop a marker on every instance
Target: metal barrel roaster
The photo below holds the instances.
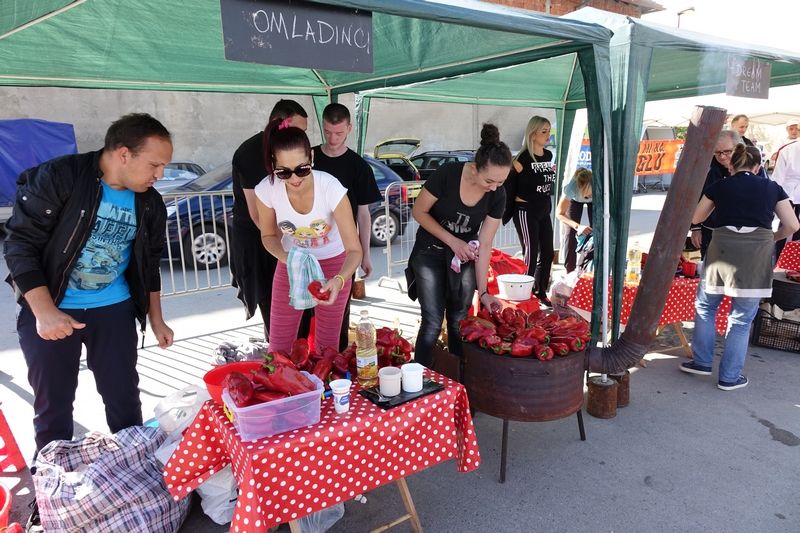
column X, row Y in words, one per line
column 529, row 390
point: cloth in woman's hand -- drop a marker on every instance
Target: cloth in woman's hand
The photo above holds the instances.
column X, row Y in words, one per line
column 455, row 264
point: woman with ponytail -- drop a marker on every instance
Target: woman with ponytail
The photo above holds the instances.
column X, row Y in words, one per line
column 458, row 211
column 738, row 262
column 306, row 222
column 529, row 189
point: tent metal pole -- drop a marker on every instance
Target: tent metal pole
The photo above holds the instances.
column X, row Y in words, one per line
column 36, row 21
column 606, row 237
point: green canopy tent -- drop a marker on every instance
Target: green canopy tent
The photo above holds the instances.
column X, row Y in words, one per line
column 654, row 62
column 155, row 45
column 648, row 62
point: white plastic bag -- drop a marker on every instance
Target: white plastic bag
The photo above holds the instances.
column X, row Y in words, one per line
column 174, row 414
column 321, row 521
column 218, row 496
column 176, row 411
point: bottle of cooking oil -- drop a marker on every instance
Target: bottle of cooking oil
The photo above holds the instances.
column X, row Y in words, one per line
column 366, row 352
column 633, row 272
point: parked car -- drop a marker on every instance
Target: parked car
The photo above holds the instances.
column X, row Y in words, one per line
column 382, row 228
column 427, row 162
column 199, row 226
column 177, row 174
column 395, row 153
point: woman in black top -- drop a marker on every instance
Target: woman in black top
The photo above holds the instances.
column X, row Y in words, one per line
column 528, row 190
column 460, row 202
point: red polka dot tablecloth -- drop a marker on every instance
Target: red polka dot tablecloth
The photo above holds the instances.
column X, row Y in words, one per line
column 293, row 474
column 679, row 306
column 790, row 256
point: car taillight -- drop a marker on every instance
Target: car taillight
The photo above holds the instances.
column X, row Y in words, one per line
column 404, row 194
column 417, row 176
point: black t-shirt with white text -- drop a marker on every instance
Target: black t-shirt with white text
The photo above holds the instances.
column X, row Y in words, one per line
column 534, row 183
column 354, row 173
column 461, row 220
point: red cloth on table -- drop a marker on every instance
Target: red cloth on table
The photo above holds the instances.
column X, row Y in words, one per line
column 293, row 474
column 502, row 263
column 679, row 306
column 790, row 256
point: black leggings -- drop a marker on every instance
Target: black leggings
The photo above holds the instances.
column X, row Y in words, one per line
column 535, row 231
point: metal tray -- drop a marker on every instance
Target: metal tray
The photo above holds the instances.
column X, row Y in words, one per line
column 372, row 394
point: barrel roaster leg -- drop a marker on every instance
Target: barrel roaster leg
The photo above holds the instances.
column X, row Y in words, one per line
column 580, row 424
column 504, row 452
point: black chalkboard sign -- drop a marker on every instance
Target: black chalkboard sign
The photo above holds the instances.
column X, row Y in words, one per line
column 748, row 77
column 297, row 33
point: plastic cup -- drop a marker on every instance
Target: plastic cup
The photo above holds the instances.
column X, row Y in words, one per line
column 689, row 269
column 389, row 378
column 412, row 377
column 341, row 394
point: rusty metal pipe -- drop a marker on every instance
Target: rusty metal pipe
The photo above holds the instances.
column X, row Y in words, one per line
column 673, row 224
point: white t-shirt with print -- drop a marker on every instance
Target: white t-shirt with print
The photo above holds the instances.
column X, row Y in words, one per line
column 315, row 231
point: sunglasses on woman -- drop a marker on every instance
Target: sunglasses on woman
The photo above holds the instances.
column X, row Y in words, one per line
column 300, row 171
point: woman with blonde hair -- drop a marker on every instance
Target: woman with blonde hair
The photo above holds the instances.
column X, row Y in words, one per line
column 576, row 193
column 528, row 190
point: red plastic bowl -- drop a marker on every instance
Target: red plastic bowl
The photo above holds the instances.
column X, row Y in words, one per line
column 215, row 377
column 5, row 505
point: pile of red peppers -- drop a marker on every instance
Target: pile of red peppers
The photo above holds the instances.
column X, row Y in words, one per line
column 393, row 349
column 514, row 332
column 280, row 375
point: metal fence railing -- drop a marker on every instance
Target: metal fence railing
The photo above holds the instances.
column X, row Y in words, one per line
column 399, row 250
column 198, row 236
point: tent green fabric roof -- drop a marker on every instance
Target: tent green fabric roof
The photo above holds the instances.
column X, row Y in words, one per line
column 178, row 45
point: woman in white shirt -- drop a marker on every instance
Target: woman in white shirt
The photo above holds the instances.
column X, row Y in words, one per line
column 303, row 211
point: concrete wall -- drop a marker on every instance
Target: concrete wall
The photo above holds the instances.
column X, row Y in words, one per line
column 207, row 127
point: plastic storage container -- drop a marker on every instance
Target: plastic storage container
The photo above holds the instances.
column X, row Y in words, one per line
column 270, row 418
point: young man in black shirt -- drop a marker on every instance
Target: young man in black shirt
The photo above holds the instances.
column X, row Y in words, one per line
column 357, row 177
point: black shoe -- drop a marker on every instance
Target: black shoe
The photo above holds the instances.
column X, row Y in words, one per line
column 34, row 523
column 545, row 301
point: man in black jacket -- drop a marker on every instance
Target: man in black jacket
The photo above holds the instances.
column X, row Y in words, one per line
column 83, row 251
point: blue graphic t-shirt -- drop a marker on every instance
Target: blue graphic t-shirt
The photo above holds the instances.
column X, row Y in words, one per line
column 98, row 277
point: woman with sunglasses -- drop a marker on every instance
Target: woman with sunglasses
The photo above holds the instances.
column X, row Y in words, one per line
column 315, row 205
column 720, row 169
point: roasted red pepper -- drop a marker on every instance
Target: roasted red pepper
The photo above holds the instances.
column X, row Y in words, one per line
column 323, row 367
column 299, row 353
column 503, row 348
column 290, row 380
column 240, row 388
column 473, row 328
column 522, row 347
column 261, row 395
column 315, row 288
column 543, row 353
column 559, row 348
column 506, row 331
column 340, row 364
column 536, row 333
column 575, row 344
column 484, row 313
column 489, row 342
column 278, row 358
column 509, row 316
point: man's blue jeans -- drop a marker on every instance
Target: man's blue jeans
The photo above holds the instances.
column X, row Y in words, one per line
column 743, row 311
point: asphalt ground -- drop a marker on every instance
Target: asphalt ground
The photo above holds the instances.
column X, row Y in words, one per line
column 682, row 456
